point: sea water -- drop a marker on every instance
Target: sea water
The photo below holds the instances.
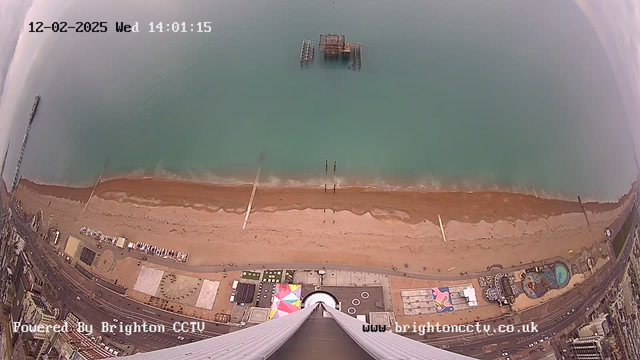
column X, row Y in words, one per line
column 451, row 95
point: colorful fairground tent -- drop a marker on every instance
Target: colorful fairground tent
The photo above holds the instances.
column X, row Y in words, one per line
column 442, row 299
column 286, row 300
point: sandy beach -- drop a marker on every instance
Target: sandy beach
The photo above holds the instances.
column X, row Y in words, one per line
column 359, row 226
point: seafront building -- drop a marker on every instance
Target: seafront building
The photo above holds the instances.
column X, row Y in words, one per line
column 597, row 327
column 588, row 348
column 36, row 313
column 76, row 345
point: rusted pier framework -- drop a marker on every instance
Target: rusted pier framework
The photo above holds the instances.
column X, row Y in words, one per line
column 335, row 46
column 332, row 45
column 306, row 52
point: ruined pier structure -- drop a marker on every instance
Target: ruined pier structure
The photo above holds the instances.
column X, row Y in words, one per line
column 306, row 52
column 335, row 46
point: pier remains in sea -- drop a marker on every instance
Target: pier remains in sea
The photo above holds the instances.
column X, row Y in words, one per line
column 306, row 52
column 333, row 47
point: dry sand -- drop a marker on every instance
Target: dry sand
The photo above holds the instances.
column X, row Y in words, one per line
column 358, row 226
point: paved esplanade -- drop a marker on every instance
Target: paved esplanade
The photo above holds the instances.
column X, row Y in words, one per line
column 119, row 254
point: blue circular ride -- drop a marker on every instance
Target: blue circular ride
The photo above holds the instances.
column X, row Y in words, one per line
column 562, row 274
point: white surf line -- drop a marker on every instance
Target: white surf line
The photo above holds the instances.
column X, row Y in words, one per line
column 253, row 194
column 442, row 228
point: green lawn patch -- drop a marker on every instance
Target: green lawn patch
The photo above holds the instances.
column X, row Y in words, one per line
column 623, row 234
column 274, row 276
column 251, row 275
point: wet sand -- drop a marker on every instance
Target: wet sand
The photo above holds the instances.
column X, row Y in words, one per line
column 409, row 206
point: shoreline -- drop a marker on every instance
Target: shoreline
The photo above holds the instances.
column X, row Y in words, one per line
column 427, row 183
column 411, row 206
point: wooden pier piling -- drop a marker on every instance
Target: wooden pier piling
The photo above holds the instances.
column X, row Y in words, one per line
column 326, row 170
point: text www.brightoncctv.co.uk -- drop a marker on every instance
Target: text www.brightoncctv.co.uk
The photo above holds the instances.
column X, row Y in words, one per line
column 428, row 327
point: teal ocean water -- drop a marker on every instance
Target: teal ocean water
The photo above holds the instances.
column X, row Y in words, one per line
column 453, row 95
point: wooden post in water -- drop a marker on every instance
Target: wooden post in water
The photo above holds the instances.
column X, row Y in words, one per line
column 326, row 170
column 334, row 175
